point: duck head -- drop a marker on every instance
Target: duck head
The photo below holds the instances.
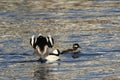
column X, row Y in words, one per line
column 76, row 46
column 56, row 52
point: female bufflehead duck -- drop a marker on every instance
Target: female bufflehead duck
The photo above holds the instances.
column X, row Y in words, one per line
column 41, row 44
column 52, row 57
column 75, row 49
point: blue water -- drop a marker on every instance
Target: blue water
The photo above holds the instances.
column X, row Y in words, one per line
column 99, row 59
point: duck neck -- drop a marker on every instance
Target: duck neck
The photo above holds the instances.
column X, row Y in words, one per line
column 74, row 48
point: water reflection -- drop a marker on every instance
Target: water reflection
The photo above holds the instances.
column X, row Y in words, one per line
column 47, row 72
column 42, row 73
column 94, row 24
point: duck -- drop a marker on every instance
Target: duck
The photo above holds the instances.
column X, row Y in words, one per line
column 41, row 44
column 52, row 57
column 74, row 50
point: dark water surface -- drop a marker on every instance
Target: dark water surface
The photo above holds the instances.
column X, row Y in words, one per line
column 94, row 24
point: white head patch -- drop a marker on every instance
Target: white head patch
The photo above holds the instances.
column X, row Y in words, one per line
column 55, row 51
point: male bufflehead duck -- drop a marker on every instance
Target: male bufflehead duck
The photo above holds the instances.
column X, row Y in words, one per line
column 52, row 57
column 75, row 49
column 41, row 44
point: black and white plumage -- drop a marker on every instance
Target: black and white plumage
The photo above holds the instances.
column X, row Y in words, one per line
column 75, row 49
column 41, row 44
column 50, row 41
column 33, row 41
column 52, row 57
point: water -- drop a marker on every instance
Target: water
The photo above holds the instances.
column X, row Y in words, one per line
column 93, row 24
